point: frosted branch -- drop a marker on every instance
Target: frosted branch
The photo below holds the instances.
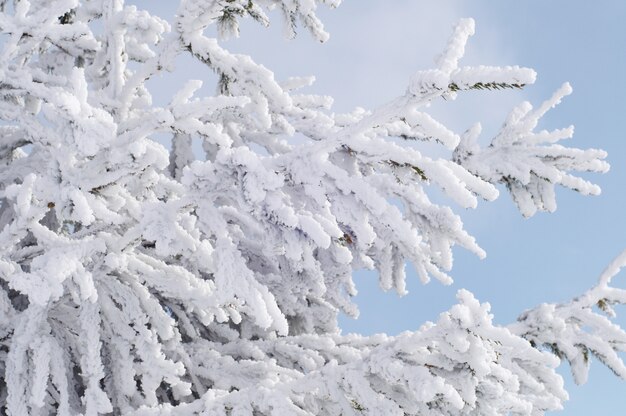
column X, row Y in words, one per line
column 528, row 162
column 581, row 328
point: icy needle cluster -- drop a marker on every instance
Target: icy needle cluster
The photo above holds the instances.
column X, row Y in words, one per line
column 142, row 279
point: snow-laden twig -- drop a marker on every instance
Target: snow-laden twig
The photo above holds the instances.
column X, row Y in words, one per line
column 578, row 329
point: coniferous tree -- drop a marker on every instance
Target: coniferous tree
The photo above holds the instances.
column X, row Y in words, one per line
column 140, row 279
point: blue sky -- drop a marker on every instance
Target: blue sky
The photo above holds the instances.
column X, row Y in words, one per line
column 374, row 48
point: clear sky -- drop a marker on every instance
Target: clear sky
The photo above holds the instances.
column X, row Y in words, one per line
column 376, row 45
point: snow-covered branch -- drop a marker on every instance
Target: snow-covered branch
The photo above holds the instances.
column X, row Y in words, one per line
column 462, row 364
column 581, row 328
column 529, row 163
